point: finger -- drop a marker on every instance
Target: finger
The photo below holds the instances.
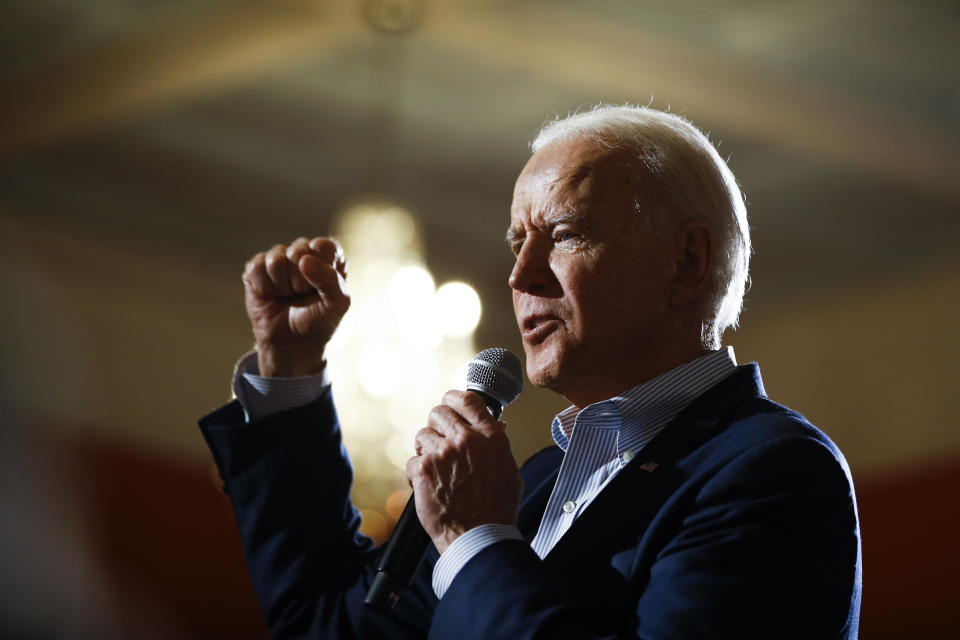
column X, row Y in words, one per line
column 340, row 260
column 325, row 249
column 413, row 469
column 448, row 423
column 255, row 278
column 427, row 440
column 329, row 251
column 328, row 282
column 473, row 410
column 278, row 268
column 300, row 240
column 297, row 249
column 419, row 470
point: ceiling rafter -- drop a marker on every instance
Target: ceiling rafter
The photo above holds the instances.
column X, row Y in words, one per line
column 609, row 59
column 234, row 46
column 223, row 50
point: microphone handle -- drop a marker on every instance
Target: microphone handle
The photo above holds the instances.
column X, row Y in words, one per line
column 408, row 545
column 400, row 560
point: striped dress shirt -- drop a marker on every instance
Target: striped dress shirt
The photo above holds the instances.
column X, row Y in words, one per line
column 261, row 397
column 598, row 442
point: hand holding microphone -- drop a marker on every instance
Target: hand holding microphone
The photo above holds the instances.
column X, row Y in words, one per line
column 463, row 475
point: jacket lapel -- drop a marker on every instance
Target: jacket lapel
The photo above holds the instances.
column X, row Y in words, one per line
column 624, row 508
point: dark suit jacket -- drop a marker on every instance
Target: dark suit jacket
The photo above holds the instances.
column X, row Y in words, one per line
column 737, row 521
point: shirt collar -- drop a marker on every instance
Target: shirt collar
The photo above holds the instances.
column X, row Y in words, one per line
column 642, row 412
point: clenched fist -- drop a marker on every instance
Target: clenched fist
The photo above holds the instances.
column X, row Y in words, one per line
column 296, row 296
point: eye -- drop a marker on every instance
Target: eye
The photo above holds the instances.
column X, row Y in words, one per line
column 565, row 235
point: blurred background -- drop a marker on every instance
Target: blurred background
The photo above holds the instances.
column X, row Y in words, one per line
column 147, row 149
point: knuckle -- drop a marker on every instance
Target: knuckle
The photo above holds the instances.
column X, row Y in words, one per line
column 276, row 252
column 455, row 397
column 277, row 265
column 461, row 438
column 413, row 467
column 437, row 413
column 446, row 451
column 325, row 248
column 474, row 401
column 254, row 262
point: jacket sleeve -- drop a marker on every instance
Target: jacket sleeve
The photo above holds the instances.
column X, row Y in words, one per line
column 288, row 477
column 764, row 546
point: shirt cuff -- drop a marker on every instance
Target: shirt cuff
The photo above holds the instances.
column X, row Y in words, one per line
column 464, row 548
column 261, row 397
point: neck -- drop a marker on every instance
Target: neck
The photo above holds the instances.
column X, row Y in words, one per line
column 632, row 373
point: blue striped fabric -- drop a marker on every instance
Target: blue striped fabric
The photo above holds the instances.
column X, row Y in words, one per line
column 599, row 441
column 261, row 397
column 602, row 438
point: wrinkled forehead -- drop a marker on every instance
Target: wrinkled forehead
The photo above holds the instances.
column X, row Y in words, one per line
column 572, row 174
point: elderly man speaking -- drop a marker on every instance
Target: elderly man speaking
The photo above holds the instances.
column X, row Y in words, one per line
column 679, row 500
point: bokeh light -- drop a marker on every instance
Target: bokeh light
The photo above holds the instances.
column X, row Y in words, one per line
column 374, row 524
column 458, row 307
column 400, row 347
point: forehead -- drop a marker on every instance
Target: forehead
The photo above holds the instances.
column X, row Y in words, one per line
column 574, row 176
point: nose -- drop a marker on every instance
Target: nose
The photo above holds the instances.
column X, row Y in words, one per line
column 531, row 272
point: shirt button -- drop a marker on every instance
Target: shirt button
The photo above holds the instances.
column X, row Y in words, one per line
column 628, row 455
column 569, row 506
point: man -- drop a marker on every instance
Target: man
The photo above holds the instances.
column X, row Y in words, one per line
column 679, row 502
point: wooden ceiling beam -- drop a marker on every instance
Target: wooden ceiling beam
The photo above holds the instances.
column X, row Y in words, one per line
column 593, row 55
column 617, row 62
column 204, row 57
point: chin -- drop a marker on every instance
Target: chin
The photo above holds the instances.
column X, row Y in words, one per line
column 543, row 370
column 538, row 379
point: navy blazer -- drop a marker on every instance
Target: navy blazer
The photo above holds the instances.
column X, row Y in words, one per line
column 737, row 521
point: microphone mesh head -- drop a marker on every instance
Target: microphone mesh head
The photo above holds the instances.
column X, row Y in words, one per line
column 497, row 373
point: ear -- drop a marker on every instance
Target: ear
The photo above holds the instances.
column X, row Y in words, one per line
column 695, row 259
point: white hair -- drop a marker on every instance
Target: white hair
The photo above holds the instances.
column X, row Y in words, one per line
column 690, row 181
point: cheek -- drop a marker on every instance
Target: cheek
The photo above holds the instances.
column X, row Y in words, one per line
column 584, row 290
column 608, row 299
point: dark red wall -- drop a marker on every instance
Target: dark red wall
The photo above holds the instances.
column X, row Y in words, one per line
column 165, row 540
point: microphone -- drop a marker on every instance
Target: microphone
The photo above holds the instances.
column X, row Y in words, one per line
column 494, row 375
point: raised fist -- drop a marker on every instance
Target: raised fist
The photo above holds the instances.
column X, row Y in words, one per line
column 296, row 296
